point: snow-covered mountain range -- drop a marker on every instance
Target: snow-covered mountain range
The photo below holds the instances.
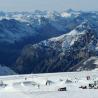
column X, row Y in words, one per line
column 49, row 41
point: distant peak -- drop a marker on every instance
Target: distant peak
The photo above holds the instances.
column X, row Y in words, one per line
column 69, row 10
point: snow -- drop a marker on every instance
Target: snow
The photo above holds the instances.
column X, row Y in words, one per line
column 74, row 33
column 94, row 59
column 33, row 85
column 57, row 38
column 71, row 38
column 65, row 14
column 96, row 48
column 20, row 17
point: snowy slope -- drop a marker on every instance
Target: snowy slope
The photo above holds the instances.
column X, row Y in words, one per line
column 23, row 86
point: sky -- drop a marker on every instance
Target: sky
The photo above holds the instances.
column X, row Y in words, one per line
column 58, row 5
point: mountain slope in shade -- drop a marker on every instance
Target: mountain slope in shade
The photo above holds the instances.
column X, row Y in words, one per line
column 87, row 64
column 4, row 70
column 59, row 53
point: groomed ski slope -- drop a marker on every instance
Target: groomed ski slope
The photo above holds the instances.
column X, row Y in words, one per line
column 34, row 85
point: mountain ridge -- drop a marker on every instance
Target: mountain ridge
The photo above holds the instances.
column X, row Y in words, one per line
column 53, row 32
column 55, row 54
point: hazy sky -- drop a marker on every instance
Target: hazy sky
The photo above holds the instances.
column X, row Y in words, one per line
column 29, row 5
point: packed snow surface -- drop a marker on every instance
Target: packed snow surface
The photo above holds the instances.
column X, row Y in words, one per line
column 47, row 85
